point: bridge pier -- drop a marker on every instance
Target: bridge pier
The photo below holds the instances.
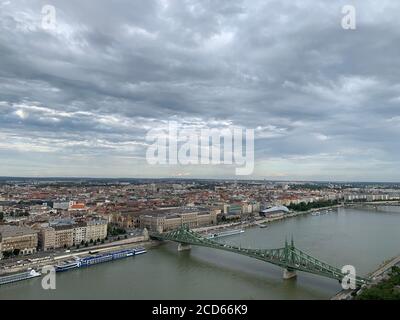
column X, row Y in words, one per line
column 289, row 274
column 183, row 246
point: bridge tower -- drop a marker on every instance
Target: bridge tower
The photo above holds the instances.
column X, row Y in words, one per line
column 288, row 272
column 183, row 246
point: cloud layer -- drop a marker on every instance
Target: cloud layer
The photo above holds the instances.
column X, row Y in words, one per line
column 78, row 100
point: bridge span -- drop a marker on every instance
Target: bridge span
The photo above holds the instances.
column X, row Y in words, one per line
column 290, row 258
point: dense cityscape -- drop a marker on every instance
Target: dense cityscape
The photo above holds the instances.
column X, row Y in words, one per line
column 53, row 214
column 199, row 150
column 42, row 215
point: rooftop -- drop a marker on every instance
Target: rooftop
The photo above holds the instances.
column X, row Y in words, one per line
column 7, row 231
column 173, row 213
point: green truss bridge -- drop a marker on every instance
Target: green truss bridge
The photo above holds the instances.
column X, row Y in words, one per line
column 289, row 257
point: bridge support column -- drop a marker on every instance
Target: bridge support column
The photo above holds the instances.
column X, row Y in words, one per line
column 183, row 247
column 289, row 273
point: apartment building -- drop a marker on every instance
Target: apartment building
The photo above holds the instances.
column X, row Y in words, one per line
column 241, row 208
column 23, row 239
column 64, row 234
column 47, row 238
column 166, row 220
column 126, row 219
column 80, row 233
column 96, row 229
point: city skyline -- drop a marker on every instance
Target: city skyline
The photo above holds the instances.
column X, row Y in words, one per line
column 188, row 179
column 78, row 100
column 71, row 226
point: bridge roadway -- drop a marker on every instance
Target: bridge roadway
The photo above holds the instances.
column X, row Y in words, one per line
column 384, row 268
column 393, row 203
column 289, row 257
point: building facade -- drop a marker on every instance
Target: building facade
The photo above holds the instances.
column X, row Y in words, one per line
column 65, row 234
column 80, row 233
column 23, row 240
column 167, row 220
column 96, row 229
column 47, row 238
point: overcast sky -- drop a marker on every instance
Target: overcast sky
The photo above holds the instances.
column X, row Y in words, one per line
column 78, row 100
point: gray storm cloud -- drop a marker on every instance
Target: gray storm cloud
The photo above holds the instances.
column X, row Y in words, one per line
column 79, row 99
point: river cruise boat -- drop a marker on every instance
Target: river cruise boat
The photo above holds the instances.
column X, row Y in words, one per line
column 140, row 250
column 108, row 256
column 96, row 258
column 68, row 265
column 19, row 276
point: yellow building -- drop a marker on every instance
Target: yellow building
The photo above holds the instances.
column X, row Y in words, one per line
column 64, row 236
column 96, row 229
column 23, row 239
column 60, row 234
column 47, row 238
column 166, row 220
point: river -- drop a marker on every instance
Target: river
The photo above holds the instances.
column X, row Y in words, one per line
column 359, row 237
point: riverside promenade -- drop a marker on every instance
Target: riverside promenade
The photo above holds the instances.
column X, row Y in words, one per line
column 376, row 276
column 51, row 259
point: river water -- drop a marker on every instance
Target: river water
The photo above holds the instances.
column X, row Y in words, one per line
column 359, row 237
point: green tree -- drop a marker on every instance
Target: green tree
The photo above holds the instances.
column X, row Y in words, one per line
column 385, row 290
column 7, row 254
